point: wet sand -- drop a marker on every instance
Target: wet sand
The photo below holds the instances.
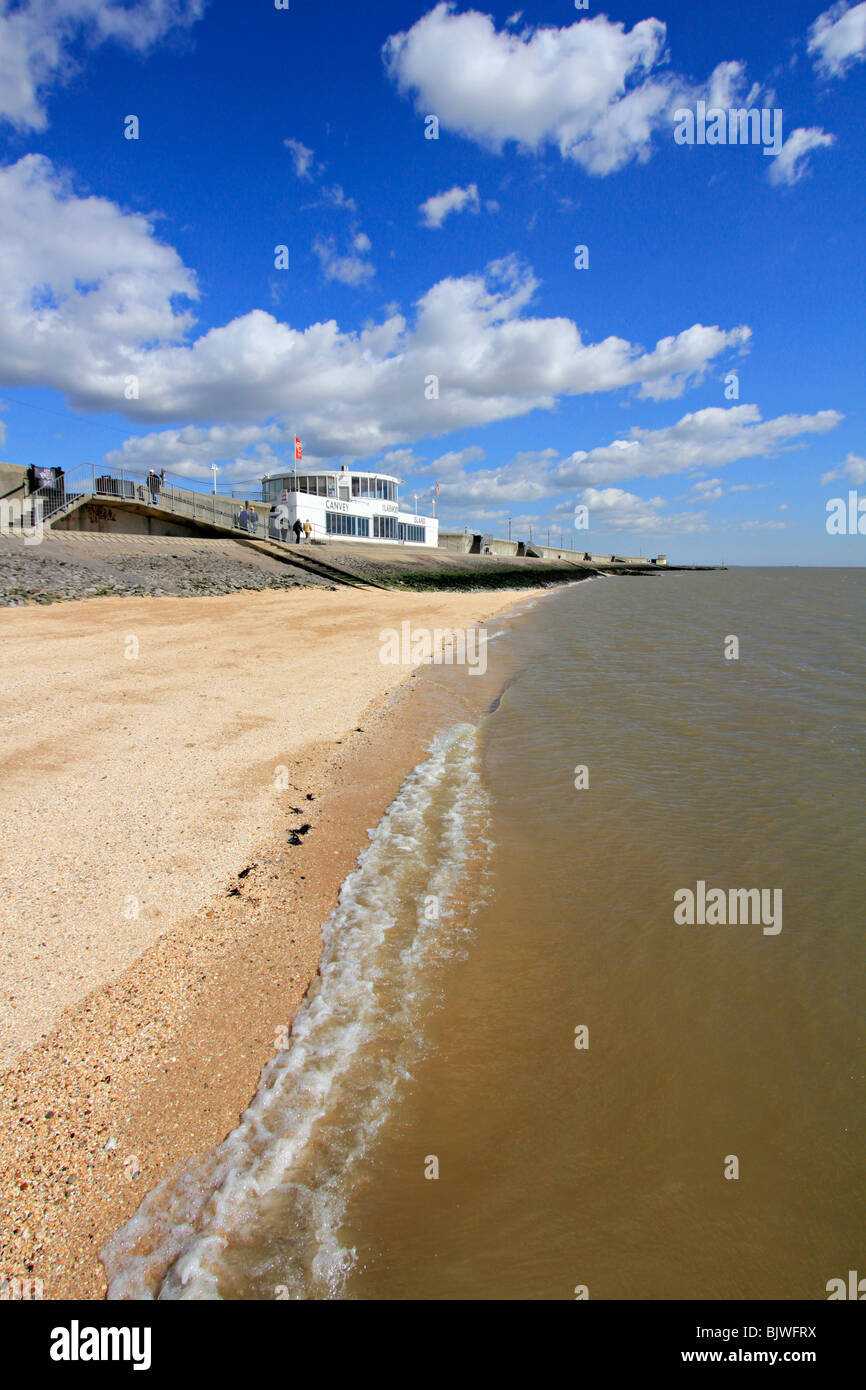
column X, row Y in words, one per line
column 157, row 928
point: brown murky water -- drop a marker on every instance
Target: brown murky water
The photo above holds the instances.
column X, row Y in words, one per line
column 601, row 1166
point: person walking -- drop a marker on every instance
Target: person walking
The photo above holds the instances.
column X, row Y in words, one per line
column 308, row 530
column 297, row 528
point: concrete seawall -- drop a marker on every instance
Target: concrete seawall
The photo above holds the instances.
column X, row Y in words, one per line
column 398, row 568
column 402, row 567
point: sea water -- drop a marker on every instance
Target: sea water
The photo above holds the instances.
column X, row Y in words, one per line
column 519, row 1076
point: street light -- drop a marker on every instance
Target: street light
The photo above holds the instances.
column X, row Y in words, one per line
column 214, row 470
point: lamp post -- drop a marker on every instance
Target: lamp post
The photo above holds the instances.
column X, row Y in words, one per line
column 214, row 470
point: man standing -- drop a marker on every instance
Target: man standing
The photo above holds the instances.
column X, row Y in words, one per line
column 297, row 528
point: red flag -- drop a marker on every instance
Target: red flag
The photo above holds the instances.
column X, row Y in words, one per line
column 299, row 452
column 437, row 489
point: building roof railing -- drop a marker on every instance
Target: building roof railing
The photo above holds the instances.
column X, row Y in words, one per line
column 305, row 472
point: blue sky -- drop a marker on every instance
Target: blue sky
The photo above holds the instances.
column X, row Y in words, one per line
column 143, row 319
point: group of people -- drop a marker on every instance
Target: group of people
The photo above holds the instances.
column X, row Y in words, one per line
column 248, row 518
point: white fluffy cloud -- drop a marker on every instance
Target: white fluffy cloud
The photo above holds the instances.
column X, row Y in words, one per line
column 437, row 208
column 854, row 468
column 336, row 197
column 302, row 158
column 90, row 298
column 613, row 509
column 36, row 37
column 401, row 461
column 708, row 490
column 791, row 164
column 837, row 39
column 593, row 89
column 351, row 269
column 84, row 286
column 453, row 462
column 244, row 452
column 707, row 438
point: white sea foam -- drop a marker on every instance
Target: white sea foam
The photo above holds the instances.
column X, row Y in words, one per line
column 287, row 1168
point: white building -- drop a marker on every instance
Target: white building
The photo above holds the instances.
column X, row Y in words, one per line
column 342, row 503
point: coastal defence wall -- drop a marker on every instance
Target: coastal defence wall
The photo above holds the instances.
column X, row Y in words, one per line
column 103, row 517
column 12, row 479
column 491, row 545
column 465, row 544
column 475, row 543
column 458, row 542
column 401, row 567
column 550, row 552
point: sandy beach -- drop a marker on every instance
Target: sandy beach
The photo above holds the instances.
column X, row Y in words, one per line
column 160, row 914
